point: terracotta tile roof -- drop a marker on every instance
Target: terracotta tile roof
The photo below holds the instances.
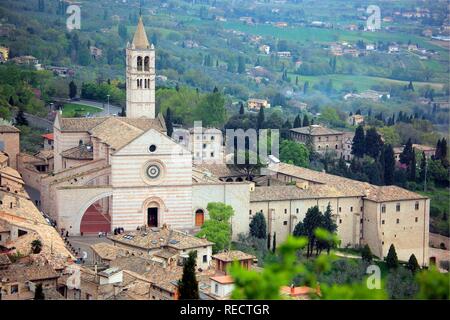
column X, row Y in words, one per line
column 79, row 124
column 155, row 238
column 223, row 279
column 316, row 130
column 109, row 252
column 134, row 264
column 421, row 147
column 48, row 136
column 80, row 152
column 8, row 129
column 11, row 172
column 164, row 277
column 344, row 185
column 274, row 193
column 165, row 253
column 3, row 157
column 232, row 255
column 116, row 133
column 22, row 273
column 218, row 170
column 4, row 260
column 45, row 154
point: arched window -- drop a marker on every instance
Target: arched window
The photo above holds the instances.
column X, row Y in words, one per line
column 145, row 83
column 147, row 64
column 137, row 81
column 139, row 63
column 199, row 218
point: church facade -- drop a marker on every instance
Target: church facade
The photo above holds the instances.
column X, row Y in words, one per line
column 126, row 172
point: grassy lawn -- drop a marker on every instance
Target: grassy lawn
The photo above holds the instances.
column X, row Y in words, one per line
column 439, row 210
column 361, row 83
column 71, row 110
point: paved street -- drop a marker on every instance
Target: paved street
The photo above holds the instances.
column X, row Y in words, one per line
column 83, row 243
column 103, row 106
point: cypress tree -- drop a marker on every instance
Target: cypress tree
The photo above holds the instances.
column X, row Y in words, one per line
column 188, row 285
column 305, row 121
column 241, row 108
column 391, row 258
column 423, row 166
column 268, row 241
column 274, row 245
column 261, row 119
column 389, row 165
column 373, row 142
column 359, row 143
column 366, row 254
column 407, row 153
column 413, row 265
column 412, row 168
column 297, row 122
column 72, row 90
column 20, row 119
column 169, row 124
column 258, row 226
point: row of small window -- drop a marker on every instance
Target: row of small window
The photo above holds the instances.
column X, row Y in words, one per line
column 416, row 219
column 146, row 83
column 327, row 138
column 326, row 147
column 146, row 64
column 297, row 210
column 204, row 154
column 397, row 207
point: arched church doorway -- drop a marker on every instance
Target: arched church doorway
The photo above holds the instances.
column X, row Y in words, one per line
column 152, row 216
column 199, row 218
column 97, row 217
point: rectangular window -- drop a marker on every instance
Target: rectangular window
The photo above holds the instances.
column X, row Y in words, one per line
column 382, row 221
column 212, row 154
column 340, row 220
column 204, row 146
column 397, row 207
column 285, row 223
column 285, row 211
column 250, row 212
column 417, row 219
column 417, row 205
column 205, row 258
column 351, row 209
column 340, row 209
column 398, row 221
column 216, row 288
column 296, row 210
column 383, row 208
column 14, row 289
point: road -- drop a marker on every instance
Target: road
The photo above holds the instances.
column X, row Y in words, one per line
column 104, row 106
column 83, row 244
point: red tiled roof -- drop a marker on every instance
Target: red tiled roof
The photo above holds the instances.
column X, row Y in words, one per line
column 223, row 279
column 48, row 136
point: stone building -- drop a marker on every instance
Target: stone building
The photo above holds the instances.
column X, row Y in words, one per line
column 321, row 138
column 10, row 143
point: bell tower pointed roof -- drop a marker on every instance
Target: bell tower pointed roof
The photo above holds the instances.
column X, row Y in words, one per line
column 140, row 40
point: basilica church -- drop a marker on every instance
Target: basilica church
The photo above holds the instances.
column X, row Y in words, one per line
column 108, row 172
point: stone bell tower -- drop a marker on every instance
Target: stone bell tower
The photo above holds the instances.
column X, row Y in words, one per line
column 140, row 64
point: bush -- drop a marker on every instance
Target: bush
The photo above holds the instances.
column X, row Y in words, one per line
column 366, row 254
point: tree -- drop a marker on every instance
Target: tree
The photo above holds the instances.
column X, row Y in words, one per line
column 413, row 265
column 36, row 246
column 274, row 243
column 389, row 164
column 329, row 225
column 261, row 119
column 217, row 229
column 366, row 254
column 268, row 241
column 72, row 90
column 312, row 221
column 169, row 124
column 423, row 167
column 359, row 143
column 258, row 226
column 412, row 168
column 123, row 32
column 241, row 65
column 407, row 153
column 241, row 108
column 297, row 122
column 294, row 153
column 188, row 285
column 391, row 258
column 305, row 121
column 374, row 143
column 39, row 293
column 211, row 109
column 20, row 119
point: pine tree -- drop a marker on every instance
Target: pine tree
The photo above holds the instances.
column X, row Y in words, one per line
column 188, row 285
column 391, row 258
column 413, row 265
column 389, row 165
column 261, row 119
column 297, row 122
column 359, row 143
column 269, row 241
column 258, row 226
column 274, row 244
column 366, row 254
column 169, row 124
